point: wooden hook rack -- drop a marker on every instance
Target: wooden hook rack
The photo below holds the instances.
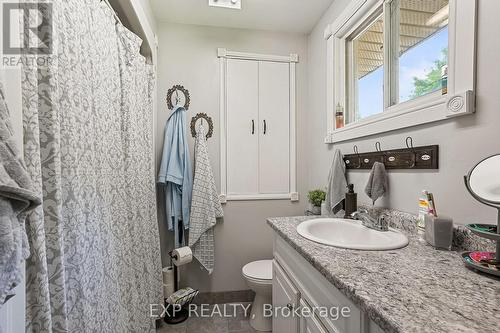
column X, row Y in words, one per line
column 425, row 157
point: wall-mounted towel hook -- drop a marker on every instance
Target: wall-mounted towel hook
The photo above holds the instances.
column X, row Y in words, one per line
column 356, row 151
column 202, row 116
column 176, row 88
column 351, row 162
column 177, row 98
column 409, row 145
column 383, row 155
column 425, row 157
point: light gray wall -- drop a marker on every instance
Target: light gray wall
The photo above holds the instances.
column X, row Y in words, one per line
column 188, row 56
column 462, row 141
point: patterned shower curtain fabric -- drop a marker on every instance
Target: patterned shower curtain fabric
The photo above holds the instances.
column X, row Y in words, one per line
column 95, row 263
column 16, row 200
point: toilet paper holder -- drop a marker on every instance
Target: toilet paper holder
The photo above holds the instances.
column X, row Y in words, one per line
column 179, row 256
column 172, row 257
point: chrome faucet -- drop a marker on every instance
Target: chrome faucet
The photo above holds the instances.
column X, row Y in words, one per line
column 379, row 224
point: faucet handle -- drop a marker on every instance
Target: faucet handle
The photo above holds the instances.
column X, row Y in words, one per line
column 382, row 222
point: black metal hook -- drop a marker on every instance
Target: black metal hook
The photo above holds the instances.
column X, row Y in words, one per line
column 409, row 145
column 356, row 151
column 378, row 147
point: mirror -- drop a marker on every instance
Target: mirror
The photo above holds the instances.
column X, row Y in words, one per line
column 483, row 181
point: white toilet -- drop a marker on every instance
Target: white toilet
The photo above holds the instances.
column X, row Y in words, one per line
column 259, row 277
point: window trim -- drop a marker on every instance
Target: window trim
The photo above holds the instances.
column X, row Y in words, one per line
column 352, row 84
column 459, row 101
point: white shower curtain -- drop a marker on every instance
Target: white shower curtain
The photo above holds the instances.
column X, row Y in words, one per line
column 95, row 258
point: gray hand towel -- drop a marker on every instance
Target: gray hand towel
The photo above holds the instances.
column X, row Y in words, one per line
column 337, row 184
column 377, row 182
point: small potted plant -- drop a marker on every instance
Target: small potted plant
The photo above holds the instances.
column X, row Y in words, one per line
column 316, row 197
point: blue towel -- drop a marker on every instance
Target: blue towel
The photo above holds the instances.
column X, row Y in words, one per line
column 176, row 175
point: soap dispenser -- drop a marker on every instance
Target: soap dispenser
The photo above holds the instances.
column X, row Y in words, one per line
column 351, row 201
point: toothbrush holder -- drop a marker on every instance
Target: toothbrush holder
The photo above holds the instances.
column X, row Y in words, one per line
column 439, row 231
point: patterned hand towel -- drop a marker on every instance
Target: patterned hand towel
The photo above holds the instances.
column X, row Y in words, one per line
column 16, row 200
column 205, row 205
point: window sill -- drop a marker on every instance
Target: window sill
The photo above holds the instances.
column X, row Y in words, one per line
column 426, row 109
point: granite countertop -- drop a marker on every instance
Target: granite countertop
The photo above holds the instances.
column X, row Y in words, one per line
column 414, row 289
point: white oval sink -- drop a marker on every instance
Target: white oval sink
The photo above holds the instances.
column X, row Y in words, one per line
column 350, row 234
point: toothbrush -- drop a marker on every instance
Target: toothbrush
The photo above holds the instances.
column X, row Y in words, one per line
column 432, row 206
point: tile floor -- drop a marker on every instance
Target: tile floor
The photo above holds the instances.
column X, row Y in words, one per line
column 216, row 324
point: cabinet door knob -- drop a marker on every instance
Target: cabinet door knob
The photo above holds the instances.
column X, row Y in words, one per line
column 253, row 127
column 265, row 127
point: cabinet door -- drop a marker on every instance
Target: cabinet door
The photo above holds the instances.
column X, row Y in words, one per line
column 310, row 324
column 285, row 294
column 274, row 127
column 242, row 127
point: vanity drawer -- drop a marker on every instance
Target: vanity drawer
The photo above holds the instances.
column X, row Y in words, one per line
column 311, row 324
column 317, row 291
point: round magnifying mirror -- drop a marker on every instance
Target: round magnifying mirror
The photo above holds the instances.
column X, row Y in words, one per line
column 483, row 181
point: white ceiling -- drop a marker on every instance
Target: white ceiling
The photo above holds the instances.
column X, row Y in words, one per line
column 276, row 15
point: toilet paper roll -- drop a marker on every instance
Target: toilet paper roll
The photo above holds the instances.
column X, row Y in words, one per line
column 168, row 275
column 183, row 255
column 168, row 289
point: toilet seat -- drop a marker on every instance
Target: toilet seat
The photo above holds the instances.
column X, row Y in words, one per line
column 261, row 270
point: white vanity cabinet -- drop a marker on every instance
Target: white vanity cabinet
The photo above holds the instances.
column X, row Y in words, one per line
column 285, row 295
column 297, row 283
column 310, row 324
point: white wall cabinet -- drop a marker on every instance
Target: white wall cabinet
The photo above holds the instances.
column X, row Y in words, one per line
column 274, row 131
column 242, row 123
column 257, row 126
column 297, row 282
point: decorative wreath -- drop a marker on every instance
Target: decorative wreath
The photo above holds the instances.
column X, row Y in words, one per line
column 209, row 121
column 176, row 88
